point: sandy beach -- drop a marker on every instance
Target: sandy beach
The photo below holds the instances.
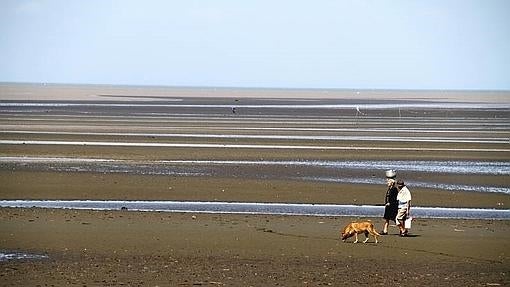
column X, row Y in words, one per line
column 168, row 249
column 51, row 92
column 276, row 146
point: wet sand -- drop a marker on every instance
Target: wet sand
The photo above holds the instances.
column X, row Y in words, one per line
column 143, row 248
column 169, row 249
column 46, row 185
column 19, row 91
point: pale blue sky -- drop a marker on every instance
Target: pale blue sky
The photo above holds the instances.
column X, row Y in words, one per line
column 361, row 44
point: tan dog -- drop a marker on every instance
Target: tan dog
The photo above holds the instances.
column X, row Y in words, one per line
column 354, row 228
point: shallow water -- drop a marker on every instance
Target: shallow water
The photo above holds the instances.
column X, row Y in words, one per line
column 315, row 170
column 15, row 255
column 423, row 184
column 258, row 208
column 451, row 167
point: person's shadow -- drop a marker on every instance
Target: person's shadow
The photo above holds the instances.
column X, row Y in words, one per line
column 410, row 235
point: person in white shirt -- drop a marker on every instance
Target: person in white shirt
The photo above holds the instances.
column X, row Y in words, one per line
column 404, row 206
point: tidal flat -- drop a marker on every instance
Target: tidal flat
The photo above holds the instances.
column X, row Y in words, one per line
column 257, row 146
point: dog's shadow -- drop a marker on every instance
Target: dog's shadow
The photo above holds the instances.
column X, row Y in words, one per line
column 392, row 235
column 408, row 235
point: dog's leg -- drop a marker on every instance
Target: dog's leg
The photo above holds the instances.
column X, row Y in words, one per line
column 356, row 236
column 366, row 235
column 375, row 234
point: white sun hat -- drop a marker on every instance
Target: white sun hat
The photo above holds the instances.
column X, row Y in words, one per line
column 390, row 173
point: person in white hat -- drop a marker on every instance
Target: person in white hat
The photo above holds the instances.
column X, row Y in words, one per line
column 390, row 201
column 404, row 206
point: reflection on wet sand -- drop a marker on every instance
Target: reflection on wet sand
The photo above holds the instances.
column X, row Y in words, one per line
column 317, row 170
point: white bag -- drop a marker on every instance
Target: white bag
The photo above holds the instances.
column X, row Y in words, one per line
column 407, row 223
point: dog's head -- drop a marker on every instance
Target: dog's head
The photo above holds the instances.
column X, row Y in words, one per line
column 347, row 232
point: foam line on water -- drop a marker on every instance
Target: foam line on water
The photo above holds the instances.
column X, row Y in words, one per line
column 258, row 208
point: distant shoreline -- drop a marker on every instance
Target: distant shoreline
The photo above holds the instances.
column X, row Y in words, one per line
column 245, row 88
column 80, row 92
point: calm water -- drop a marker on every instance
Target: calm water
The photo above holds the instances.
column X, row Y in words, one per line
column 258, row 208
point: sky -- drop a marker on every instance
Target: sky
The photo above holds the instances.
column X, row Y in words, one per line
column 359, row 44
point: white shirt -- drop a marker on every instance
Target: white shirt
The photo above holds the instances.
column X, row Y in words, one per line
column 403, row 197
